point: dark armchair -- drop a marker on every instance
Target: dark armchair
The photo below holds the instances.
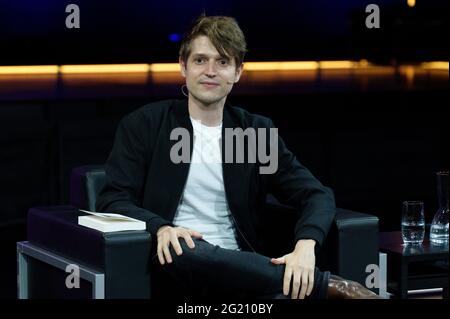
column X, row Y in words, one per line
column 117, row 265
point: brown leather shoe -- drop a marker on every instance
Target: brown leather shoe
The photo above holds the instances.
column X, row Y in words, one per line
column 340, row 288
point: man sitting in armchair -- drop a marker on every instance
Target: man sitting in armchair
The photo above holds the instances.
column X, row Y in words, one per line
column 211, row 199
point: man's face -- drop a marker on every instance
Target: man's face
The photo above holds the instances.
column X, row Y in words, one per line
column 209, row 76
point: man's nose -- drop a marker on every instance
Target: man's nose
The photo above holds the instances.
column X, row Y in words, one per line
column 211, row 69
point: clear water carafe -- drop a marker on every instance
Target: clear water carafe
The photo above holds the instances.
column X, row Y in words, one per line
column 439, row 225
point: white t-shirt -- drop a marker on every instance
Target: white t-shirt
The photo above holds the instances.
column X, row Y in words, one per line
column 203, row 206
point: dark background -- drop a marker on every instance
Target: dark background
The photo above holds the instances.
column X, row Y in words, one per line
column 34, row 32
column 375, row 144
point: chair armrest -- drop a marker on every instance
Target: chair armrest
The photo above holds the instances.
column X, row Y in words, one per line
column 350, row 246
column 124, row 257
column 85, row 183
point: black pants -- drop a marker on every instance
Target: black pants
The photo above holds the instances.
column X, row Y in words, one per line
column 209, row 271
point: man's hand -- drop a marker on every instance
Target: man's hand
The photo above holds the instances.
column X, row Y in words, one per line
column 169, row 235
column 300, row 265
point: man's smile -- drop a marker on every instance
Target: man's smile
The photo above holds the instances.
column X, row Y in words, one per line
column 209, row 84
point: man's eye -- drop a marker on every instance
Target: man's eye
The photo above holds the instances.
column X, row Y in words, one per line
column 199, row 60
column 223, row 62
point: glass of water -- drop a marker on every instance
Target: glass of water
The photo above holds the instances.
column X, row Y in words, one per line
column 413, row 222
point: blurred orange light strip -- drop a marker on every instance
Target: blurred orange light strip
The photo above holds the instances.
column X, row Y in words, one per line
column 280, row 66
column 104, row 68
column 29, row 69
column 337, row 64
column 164, row 67
column 275, row 66
column 435, row 65
column 248, row 66
column 411, row 3
column 175, row 67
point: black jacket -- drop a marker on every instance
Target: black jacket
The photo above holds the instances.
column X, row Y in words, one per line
column 142, row 181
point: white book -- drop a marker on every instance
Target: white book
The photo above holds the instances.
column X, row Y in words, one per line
column 106, row 222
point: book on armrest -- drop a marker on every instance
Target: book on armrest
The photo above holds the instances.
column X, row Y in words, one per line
column 106, row 222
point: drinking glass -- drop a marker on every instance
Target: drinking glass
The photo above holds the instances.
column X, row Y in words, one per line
column 413, row 222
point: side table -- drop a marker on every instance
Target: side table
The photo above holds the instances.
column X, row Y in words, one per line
column 412, row 267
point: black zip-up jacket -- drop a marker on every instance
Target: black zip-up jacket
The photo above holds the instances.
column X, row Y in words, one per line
column 142, row 182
